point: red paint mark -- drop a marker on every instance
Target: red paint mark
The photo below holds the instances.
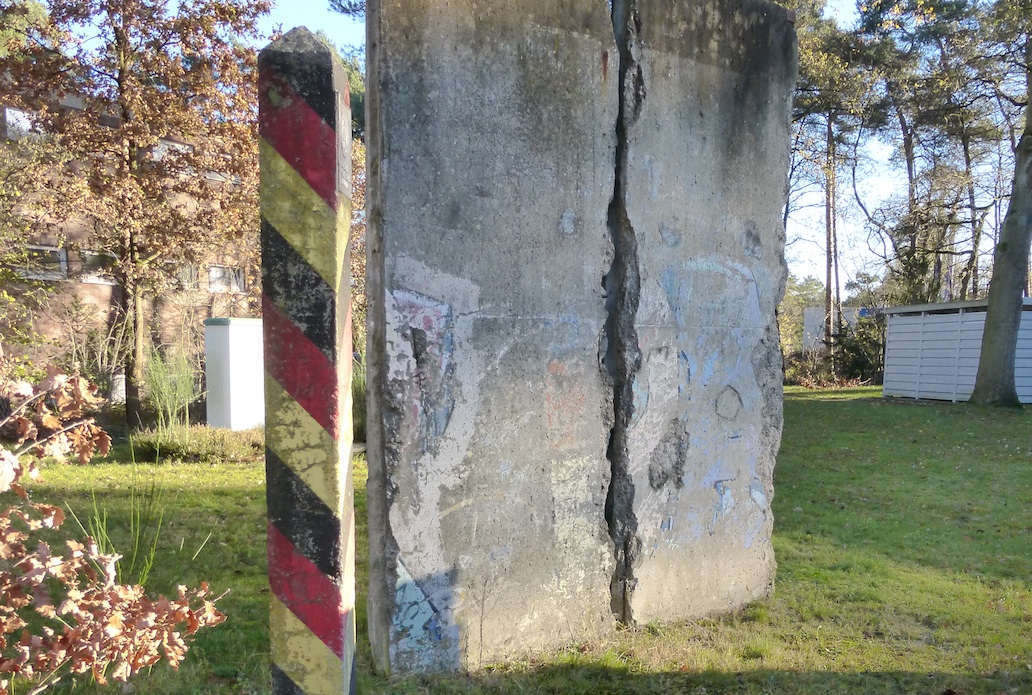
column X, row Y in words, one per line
column 565, row 407
column 306, row 592
column 299, row 135
column 303, row 370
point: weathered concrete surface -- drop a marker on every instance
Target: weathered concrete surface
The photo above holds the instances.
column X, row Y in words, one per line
column 707, row 87
column 492, row 145
column 573, row 361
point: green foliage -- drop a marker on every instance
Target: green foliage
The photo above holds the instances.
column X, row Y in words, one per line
column 353, row 60
column 351, row 8
column 199, row 444
column 902, row 568
column 146, row 512
column 218, row 509
column 799, row 294
column 860, row 350
column 17, row 19
column 358, row 400
column 171, row 386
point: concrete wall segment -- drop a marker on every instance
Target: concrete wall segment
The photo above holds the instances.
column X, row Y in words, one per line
column 495, row 146
column 707, row 93
column 545, row 453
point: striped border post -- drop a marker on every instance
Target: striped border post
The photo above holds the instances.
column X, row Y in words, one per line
column 305, row 147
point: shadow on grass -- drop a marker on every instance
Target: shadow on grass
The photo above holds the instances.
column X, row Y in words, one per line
column 598, row 680
column 866, row 393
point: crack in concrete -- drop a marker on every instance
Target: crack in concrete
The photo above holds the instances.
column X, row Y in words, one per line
column 623, row 358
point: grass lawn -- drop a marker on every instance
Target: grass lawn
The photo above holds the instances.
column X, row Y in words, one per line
column 903, row 535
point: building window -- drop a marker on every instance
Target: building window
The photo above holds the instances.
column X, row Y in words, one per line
column 223, row 279
column 186, row 276
column 16, row 123
column 98, row 267
column 44, row 263
column 163, row 147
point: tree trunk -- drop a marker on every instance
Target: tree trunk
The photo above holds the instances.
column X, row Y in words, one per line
column 909, row 157
column 829, row 221
column 969, row 274
column 994, row 383
column 134, row 360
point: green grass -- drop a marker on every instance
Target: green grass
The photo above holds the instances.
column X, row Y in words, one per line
column 903, row 535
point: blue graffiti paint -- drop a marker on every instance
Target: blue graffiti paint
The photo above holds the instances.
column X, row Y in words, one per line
column 421, row 634
column 710, row 368
column 725, row 503
column 757, row 494
column 672, row 282
column 757, row 518
column 640, row 393
column 684, row 370
column 670, row 234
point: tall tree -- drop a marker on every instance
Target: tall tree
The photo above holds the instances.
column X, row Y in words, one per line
column 994, row 382
column 352, row 8
column 831, row 98
column 156, row 104
column 943, row 118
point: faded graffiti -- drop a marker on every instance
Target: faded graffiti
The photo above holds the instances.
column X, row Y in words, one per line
column 565, row 402
column 725, row 503
column 421, row 348
column 420, row 627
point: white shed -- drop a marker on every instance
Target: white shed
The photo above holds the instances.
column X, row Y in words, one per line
column 932, row 350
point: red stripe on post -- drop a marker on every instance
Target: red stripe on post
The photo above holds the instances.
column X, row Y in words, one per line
column 301, row 368
column 307, row 592
column 301, row 137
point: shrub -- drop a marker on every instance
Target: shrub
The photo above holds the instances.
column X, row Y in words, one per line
column 65, row 612
column 171, row 386
column 857, row 357
column 862, row 350
column 198, row 443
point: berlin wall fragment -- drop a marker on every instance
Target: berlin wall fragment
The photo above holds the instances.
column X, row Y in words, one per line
column 575, row 251
column 492, row 169
column 305, row 149
column 702, row 166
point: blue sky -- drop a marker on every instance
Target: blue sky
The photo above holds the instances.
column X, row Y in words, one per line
column 805, row 256
column 316, row 15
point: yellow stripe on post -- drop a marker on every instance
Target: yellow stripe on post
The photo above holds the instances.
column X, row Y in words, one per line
column 303, row 657
column 304, row 445
column 304, row 219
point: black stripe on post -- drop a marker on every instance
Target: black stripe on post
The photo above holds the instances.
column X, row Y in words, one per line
column 302, row 517
column 289, row 281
